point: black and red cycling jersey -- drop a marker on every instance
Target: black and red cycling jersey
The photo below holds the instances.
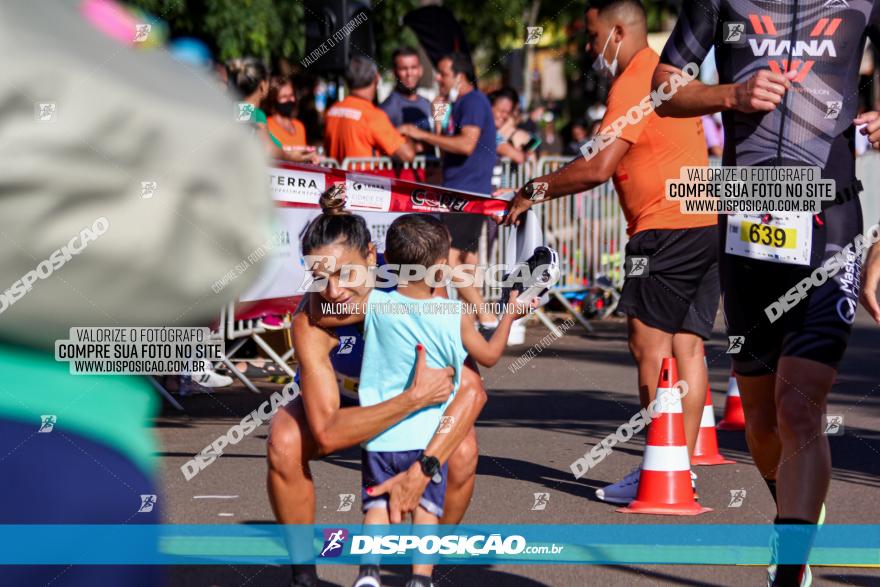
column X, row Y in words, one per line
column 822, row 40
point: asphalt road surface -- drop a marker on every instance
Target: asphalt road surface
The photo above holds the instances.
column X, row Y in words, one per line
column 536, row 422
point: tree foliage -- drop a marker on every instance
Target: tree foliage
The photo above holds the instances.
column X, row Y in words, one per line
column 273, row 29
column 269, row 29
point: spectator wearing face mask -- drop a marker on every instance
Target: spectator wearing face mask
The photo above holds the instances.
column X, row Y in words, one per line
column 279, row 107
column 248, row 79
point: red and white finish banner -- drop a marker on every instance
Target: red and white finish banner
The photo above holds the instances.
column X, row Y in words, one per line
column 300, row 186
column 297, row 189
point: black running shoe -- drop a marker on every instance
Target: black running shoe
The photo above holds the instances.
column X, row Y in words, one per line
column 368, row 576
column 529, row 282
column 304, row 576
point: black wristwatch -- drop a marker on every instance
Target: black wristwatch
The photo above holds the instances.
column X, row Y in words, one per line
column 431, row 468
column 535, row 190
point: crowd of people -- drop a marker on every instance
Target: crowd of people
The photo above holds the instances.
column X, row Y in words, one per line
column 521, row 133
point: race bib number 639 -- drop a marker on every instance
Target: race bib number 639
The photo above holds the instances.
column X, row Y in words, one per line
column 782, row 238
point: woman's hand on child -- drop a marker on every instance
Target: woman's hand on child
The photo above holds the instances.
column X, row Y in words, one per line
column 430, row 386
column 404, row 491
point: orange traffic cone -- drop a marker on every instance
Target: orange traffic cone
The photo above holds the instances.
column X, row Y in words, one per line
column 665, row 480
column 734, row 418
column 706, row 449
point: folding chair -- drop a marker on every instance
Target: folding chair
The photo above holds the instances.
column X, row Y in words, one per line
column 246, row 324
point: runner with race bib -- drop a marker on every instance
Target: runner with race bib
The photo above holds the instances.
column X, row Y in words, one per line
column 789, row 94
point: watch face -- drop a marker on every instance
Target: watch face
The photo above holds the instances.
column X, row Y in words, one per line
column 430, row 467
column 437, row 478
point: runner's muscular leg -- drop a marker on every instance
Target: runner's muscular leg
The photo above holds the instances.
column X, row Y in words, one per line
column 289, row 481
column 802, row 388
column 463, row 461
column 648, row 347
column 690, row 358
column 461, row 479
column 759, row 407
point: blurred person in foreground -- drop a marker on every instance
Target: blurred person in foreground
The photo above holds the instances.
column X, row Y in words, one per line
column 468, row 148
column 671, row 307
column 109, row 147
column 356, row 127
column 404, row 105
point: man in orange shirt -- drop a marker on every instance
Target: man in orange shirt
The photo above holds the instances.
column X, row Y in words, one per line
column 672, row 288
column 356, row 127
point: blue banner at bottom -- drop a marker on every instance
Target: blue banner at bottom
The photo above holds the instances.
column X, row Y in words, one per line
column 454, row 545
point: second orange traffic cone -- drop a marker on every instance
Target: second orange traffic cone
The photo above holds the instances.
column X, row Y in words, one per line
column 665, row 479
column 734, row 418
column 706, row 449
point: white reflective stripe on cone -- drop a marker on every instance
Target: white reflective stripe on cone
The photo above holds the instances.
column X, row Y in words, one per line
column 666, row 458
column 732, row 387
column 708, row 419
column 668, row 401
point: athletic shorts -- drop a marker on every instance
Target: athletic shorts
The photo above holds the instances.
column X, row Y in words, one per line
column 377, row 467
column 465, row 230
column 676, row 289
column 61, row 477
column 816, row 327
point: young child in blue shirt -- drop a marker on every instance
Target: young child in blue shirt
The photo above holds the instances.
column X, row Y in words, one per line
column 395, row 323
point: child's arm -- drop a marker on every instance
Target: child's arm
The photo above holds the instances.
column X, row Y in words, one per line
column 485, row 352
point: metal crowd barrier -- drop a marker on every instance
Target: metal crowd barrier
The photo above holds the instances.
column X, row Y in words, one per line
column 588, row 229
column 368, row 163
column 380, row 163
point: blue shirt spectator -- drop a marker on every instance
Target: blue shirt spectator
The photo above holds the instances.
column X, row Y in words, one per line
column 473, row 173
column 402, row 110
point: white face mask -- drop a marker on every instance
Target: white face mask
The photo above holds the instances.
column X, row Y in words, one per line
column 453, row 93
column 602, row 66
